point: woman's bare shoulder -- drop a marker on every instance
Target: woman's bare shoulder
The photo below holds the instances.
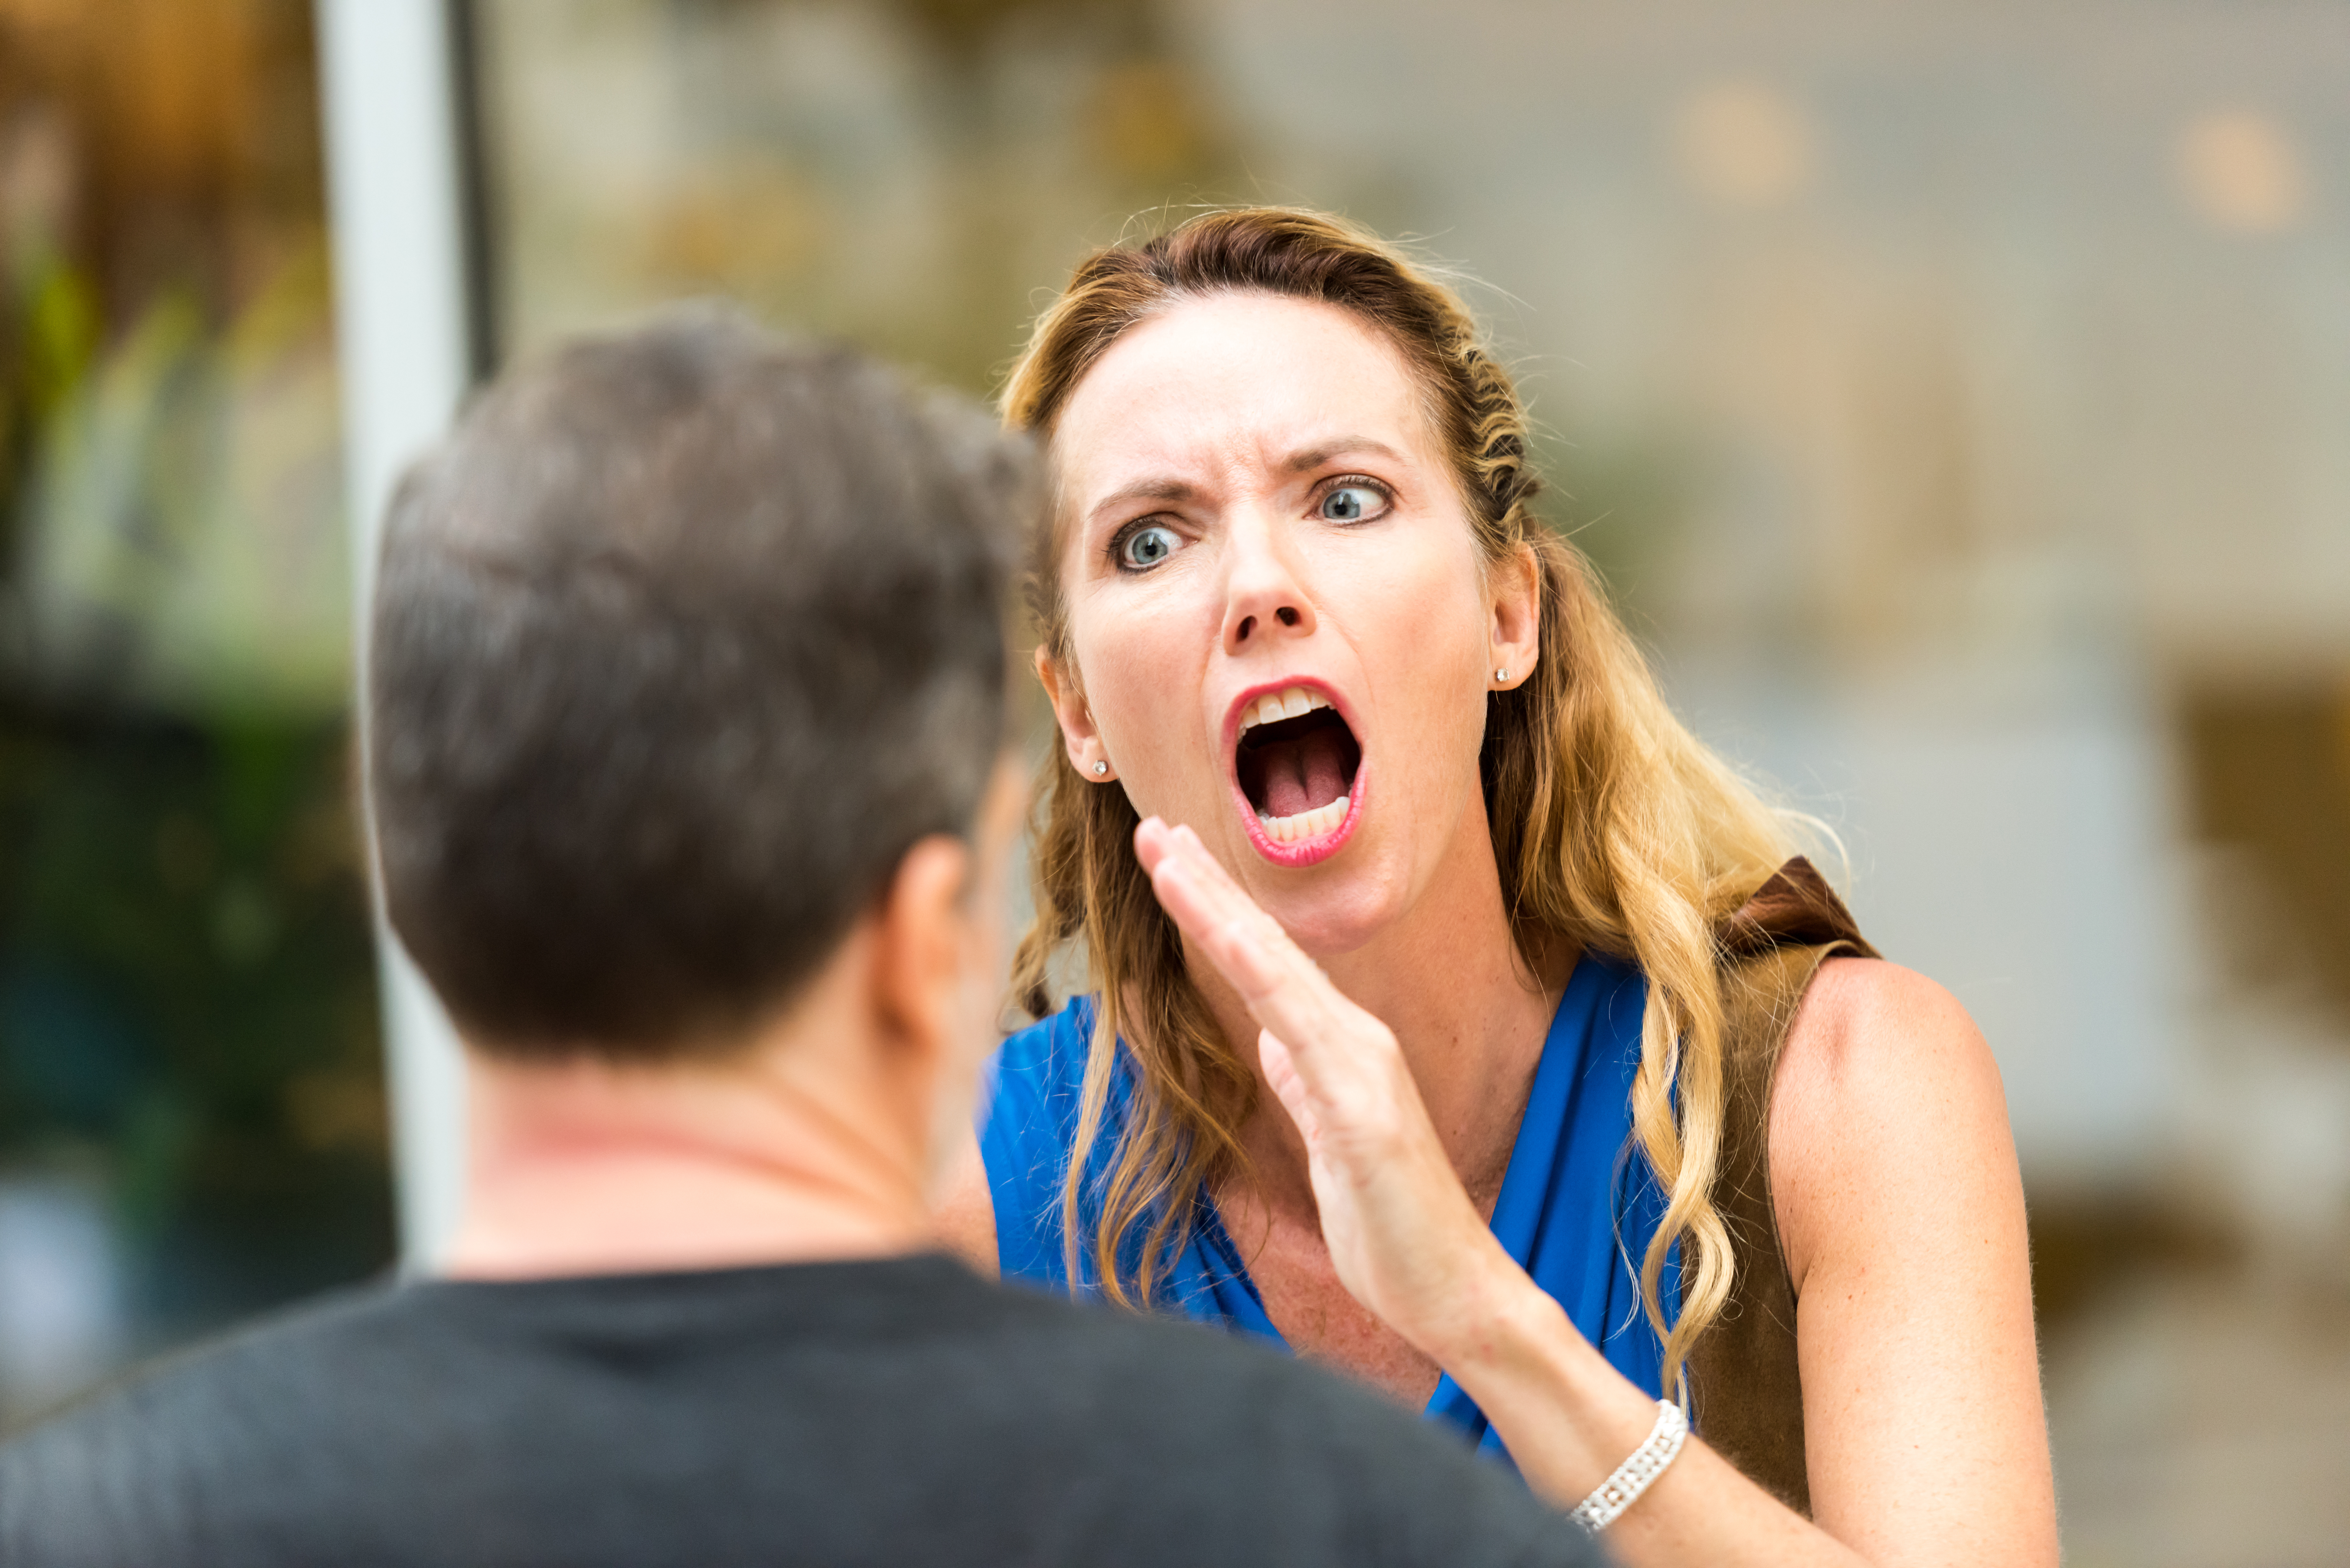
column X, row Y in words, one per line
column 1887, row 1109
column 1865, row 1016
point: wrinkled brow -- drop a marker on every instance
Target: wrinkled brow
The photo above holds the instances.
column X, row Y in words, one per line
column 1314, row 456
column 1303, row 460
column 1154, row 489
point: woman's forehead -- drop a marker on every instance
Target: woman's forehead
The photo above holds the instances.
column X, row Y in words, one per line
column 1247, row 379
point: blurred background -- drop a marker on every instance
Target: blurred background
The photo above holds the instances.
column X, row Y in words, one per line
column 1956, row 395
column 191, row 1104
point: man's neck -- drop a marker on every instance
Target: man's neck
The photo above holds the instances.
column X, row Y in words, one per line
column 787, row 1152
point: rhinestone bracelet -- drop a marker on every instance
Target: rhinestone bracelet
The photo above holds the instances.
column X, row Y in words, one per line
column 1622, row 1489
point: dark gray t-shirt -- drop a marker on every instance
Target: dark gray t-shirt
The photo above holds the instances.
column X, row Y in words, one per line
column 896, row 1412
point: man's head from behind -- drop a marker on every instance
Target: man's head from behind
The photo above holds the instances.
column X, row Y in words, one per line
column 681, row 642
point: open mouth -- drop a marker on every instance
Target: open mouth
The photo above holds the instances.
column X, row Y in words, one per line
column 1297, row 763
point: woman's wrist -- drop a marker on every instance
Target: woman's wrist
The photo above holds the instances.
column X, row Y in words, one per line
column 1567, row 1416
column 1491, row 1317
column 1455, row 1294
column 1517, row 1336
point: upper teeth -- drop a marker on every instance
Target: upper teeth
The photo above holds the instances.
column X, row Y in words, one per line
column 1274, row 706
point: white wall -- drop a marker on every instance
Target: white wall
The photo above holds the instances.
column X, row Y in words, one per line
column 2010, row 837
column 400, row 303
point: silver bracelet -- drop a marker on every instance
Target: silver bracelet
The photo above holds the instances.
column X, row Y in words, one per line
column 1634, row 1475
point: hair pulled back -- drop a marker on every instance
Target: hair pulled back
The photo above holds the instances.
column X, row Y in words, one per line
column 1612, row 825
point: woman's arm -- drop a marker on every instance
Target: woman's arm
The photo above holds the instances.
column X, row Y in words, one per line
column 1924, row 1443
column 1901, row 1212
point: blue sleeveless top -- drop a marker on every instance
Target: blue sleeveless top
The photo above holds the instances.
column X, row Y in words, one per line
column 1578, row 1205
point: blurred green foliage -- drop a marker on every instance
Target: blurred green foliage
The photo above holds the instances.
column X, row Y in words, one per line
column 189, row 1024
column 187, row 1000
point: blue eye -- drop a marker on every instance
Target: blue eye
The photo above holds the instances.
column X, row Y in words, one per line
column 1146, row 546
column 1351, row 503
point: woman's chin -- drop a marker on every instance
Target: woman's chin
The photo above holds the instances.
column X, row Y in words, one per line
column 1338, row 906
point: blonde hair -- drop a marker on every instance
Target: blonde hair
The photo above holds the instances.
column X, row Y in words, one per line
column 1612, row 825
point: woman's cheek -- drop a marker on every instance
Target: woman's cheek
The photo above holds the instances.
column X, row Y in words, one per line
column 1145, row 719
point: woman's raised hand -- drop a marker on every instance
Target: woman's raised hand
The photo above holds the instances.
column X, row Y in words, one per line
column 1402, row 1234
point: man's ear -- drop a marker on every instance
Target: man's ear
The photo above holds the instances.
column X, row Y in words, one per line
column 1079, row 735
column 920, row 945
column 1516, row 584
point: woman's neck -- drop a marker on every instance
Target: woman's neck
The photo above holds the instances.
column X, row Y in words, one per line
column 1469, row 1015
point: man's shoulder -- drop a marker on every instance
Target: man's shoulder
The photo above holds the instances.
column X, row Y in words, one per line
column 289, row 1343
column 717, row 1415
column 248, row 1360
column 122, row 1463
column 1294, row 1455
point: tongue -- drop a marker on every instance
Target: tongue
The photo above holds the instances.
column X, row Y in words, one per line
column 1304, row 774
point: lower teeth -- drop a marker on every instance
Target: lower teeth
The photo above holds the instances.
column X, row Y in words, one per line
column 1306, row 823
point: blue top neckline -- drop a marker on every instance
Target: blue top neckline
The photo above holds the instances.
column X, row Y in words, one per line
column 1525, row 1190
column 1577, row 1206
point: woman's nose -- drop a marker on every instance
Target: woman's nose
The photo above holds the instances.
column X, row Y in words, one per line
column 1263, row 596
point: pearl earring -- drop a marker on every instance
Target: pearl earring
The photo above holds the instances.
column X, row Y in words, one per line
column 1100, row 768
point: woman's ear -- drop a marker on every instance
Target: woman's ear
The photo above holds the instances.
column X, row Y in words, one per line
column 1079, row 735
column 1516, row 584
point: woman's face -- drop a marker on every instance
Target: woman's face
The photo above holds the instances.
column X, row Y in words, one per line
column 1283, row 628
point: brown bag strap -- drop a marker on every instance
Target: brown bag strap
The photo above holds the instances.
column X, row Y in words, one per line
column 1743, row 1371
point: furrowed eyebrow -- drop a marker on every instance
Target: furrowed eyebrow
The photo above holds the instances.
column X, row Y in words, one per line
column 1173, row 490
column 1127, row 495
column 1312, row 457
